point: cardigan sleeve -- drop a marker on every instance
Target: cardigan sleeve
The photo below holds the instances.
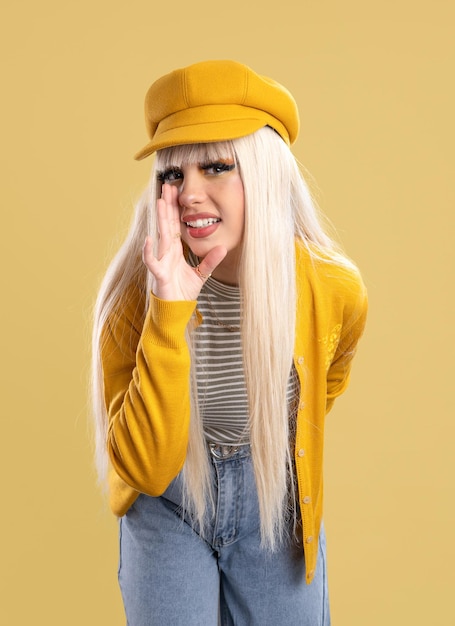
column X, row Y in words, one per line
column 146, row 371
column 354, row 319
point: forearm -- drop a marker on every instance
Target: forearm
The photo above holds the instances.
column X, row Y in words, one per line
column 149, row 409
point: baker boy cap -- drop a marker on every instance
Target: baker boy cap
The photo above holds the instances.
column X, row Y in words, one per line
column 215, row 101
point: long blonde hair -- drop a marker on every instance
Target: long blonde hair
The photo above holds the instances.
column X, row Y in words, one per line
column 278, row 209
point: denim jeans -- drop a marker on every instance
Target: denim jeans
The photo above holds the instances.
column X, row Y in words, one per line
column 170, row 576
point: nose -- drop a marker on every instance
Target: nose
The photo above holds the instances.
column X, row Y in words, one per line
column 192, row 189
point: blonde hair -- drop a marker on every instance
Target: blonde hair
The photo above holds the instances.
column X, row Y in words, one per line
column 278, row 209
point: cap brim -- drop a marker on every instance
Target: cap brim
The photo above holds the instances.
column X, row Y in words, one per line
column 210, row 132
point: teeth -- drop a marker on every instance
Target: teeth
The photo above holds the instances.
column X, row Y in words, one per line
column 204, row 222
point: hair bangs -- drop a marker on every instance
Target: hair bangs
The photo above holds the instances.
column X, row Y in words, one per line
column 200, row 153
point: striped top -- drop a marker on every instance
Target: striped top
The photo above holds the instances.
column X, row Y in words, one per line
column 222, row 394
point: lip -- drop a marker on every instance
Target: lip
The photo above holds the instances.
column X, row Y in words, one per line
column 204, row 231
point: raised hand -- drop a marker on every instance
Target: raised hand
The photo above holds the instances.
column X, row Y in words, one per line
column 173, row 278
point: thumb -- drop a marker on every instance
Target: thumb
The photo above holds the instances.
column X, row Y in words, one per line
column 211, row 260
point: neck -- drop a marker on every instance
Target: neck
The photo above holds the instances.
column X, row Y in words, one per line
column 227, row 271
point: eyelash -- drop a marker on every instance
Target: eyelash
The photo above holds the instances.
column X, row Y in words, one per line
column 221, row 166
column 165, row 176
column 218, row 166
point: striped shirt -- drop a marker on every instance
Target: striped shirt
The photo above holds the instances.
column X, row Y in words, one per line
column 222, row 395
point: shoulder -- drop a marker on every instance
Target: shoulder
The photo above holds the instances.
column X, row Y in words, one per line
column 332, row 280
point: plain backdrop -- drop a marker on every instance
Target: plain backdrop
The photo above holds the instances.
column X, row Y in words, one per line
column 374, row 84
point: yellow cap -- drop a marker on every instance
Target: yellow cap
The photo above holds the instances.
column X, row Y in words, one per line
column 215, row 101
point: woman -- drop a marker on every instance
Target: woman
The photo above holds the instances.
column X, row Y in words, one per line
column 219, row 346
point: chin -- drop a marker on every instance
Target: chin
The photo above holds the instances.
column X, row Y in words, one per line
column 200, row 249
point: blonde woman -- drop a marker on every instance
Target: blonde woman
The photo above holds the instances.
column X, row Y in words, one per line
column 225, row 328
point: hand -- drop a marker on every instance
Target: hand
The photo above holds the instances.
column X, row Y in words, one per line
column 173, row 278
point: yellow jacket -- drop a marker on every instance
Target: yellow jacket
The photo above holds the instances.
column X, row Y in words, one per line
column 146, row 368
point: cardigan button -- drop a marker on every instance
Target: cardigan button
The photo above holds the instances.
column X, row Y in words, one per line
column 309, row 539
column 300, row 360
column 301, row 405
column 301, row 452
column 306, row 500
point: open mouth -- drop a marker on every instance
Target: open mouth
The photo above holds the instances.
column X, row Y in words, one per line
column 203, row 223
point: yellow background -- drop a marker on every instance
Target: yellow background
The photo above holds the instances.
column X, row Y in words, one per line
column 374, row 84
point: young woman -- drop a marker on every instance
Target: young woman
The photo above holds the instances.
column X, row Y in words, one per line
column 224, row 330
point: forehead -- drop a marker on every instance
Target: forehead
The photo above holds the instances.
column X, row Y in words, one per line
column 194, row 153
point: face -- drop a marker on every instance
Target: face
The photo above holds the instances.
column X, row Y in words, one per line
column 212, row 208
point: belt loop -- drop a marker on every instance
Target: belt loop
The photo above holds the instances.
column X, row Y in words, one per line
column 222, row 451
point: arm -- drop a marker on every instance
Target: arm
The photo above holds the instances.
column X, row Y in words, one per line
column 146, row 363
column 146, row 380
column 354, row 318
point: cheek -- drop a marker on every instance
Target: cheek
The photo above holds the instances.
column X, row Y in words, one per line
column 239, row 197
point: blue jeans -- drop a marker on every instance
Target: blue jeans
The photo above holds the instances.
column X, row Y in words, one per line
column 170, row 576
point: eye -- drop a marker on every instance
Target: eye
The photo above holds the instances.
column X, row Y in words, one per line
column 170, row 175
column 217, row 168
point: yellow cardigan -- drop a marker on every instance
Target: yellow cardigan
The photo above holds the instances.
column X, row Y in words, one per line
column 146, row 368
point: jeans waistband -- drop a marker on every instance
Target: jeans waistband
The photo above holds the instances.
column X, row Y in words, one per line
column 226, row 451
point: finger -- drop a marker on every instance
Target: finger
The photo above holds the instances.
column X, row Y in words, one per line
column 153, row 264
column 210, row 262
column 148, row 257
column 173, row 209
column 163, row 228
